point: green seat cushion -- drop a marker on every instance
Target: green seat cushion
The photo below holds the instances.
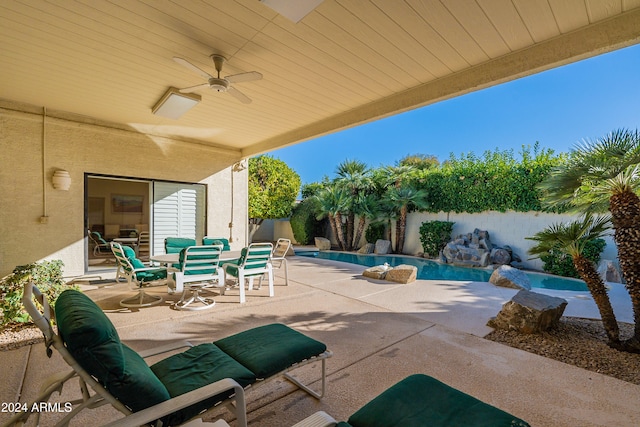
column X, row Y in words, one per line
column 130, row 254
column 93, row 341
column 269, row 349
column 199, row 366
column 174, row 245
column 151, row 275
column 217, row 241
column 421, row 401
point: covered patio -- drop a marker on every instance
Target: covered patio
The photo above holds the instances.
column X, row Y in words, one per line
column 429, row 327
column 80, row 82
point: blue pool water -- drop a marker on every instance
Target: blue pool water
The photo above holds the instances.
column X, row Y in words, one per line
column 430, row 270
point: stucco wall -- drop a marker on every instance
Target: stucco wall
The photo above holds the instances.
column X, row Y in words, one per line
column 79, row 147
column 509, row 228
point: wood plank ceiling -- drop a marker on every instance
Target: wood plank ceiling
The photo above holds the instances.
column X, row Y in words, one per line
column 345, row 63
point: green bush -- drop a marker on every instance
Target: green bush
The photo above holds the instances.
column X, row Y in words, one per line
column 374, row 232
column 46, row 275
column 561, row 264
column 434, row 235
column 304, row 224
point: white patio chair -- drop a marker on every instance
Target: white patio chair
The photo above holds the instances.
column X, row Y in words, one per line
column 278, row 257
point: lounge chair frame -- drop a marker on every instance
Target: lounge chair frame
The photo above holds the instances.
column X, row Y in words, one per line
column 95, row 395
column 100, row 395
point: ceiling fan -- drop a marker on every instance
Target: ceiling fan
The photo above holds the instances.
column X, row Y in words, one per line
column 220, row 84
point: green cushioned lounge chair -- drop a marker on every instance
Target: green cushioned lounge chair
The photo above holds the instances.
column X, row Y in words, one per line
column 421, row 401
column 138, row 276
column 174, row 390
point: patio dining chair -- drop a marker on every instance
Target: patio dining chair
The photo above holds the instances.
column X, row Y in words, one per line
column 199, row 270
column 99, row 244
column 138, row 277
column 254, row 262
column 278, row 257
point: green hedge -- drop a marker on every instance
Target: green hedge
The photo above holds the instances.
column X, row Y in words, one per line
column 304, row 224
column 434, row 235
column 561, row 264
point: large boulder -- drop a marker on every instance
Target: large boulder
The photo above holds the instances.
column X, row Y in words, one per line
column 529, row 312
column 377, row 272
column 322, row 243
column 609, row 271
column 402, row 273
column 367, row 248
column 382, row 247
column 500, row 256
column 509, row 277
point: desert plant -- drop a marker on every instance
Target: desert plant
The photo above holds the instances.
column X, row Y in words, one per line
column 561, row 264
column 46, row 275
column 375, row 231
column 434, row 235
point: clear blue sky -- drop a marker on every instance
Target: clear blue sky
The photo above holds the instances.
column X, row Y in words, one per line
column 558, row 108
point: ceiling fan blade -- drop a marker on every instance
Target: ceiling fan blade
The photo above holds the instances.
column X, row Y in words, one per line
column 193, row 88
column 238, row 95
column 192, row 67
column 244, row 77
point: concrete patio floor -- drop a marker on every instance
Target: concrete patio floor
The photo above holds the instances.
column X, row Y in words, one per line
column 379, row 333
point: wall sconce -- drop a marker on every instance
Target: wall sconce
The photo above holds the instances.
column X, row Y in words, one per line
column 61, row 180
column 240, row 166
column 174, row 104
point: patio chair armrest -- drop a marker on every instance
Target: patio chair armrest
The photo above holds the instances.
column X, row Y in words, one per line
column 164, row 348
column 179, row 402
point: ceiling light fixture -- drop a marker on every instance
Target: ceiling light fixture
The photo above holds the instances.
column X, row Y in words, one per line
column 294, row 10
column 174, row 104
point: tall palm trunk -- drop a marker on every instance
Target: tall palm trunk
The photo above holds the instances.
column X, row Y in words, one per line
column 625, row 217
column 590, row 275
column 351, row 219
column 339, row 231
column 359, row 230
column 332, row 223
column 401, row 226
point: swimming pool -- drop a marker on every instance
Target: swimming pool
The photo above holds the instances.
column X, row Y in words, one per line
column 430, row 270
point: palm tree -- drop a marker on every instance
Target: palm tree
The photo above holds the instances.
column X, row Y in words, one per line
column 600, row 175
column 571, row 239
column 366, row 207
column 403, row 199
column 331, row 203
column 353, row 176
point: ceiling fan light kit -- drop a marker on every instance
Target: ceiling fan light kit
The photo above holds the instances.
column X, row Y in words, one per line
column 174, row 104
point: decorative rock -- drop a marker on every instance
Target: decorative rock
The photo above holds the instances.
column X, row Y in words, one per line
column 322, row 244
column 377, row 272
column 509, row 277
column 382, row 247
column 500, row 256
column 367, row 248
column 402, row 273
column 609, row 271
column 529, row 312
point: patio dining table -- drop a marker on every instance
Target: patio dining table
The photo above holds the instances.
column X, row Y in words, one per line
column 174, row 258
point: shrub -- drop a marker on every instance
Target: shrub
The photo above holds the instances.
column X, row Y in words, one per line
column 46, row 275
column 304, row 224
column 434, row 235
column 561, row 264
column 374, row 232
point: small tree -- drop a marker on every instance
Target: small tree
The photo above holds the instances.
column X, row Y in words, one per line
column 434, row 235
column 273, row 188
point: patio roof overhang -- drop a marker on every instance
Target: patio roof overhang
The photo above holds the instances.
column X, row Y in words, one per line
column 346, row 63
